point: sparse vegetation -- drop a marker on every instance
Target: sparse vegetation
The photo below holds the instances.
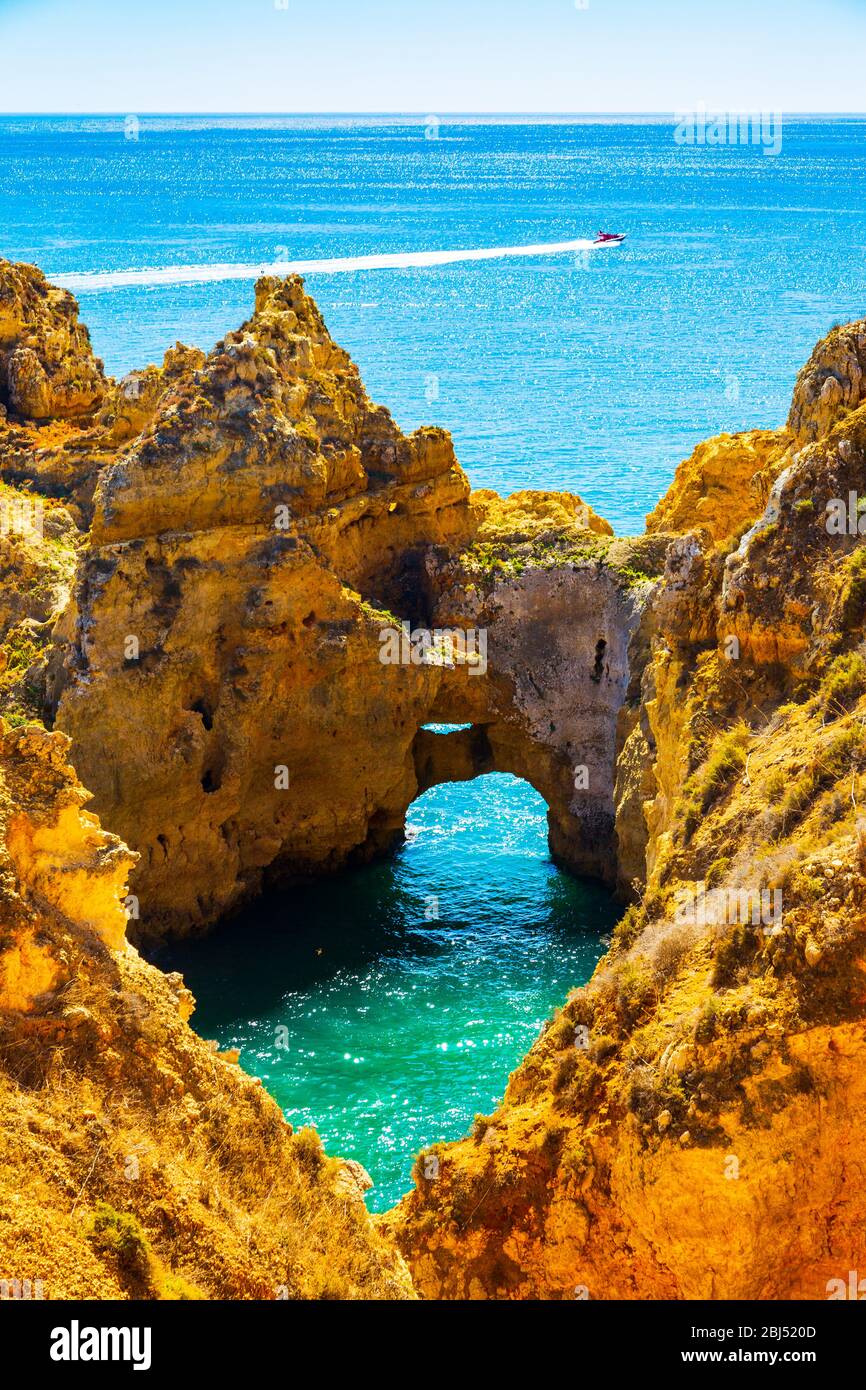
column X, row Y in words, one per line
column 308, row 1150
column 854, row 595
column 716, row 871
column 635, row 990
column 735, row 950
column 844, row 683
column 726, row 758
column 120, row 1236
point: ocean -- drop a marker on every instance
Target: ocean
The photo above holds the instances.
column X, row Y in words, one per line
column 591, row 372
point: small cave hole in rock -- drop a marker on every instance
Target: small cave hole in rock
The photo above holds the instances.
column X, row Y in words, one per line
column 204, row 709
column 211, row 780
column 598, row 665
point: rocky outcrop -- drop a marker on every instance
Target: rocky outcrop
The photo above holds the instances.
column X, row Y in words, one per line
column 561, row 603
column 832, row 382
column 722, row 486
column 38, row 548
column 229, row 608
column 138, row 1162
column 47, row 368
column 251, row 550
column 278, row 594
column 683, row 1127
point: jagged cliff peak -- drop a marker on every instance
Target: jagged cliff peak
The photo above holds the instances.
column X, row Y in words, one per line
column 832, row 383
column 276, row 416
column 259, row 528
column 47, row 368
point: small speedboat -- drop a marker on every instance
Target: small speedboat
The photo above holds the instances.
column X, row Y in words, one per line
column 609, row 239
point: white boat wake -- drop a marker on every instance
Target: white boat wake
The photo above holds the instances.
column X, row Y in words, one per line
column 82, row 281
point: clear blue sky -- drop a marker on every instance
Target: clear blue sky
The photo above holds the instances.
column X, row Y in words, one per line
column 432, row 56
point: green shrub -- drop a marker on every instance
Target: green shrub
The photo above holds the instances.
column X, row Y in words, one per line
column 565, row 1072
column 854, row 598
column 734, row 952
column 845, row 681
column 629, row 927
column 691, row 810
column 307, row 1148
column 635, row 991
column 705, row 1028
column 119, row 1234
column 727, row 758
column 717, row 870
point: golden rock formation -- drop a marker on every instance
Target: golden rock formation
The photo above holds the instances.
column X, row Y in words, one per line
column 685, row 1126
column 250, row 550
column 722, row 486
column 47, row 368
column 138, row 1163
column 278, row 592
column 832, row 382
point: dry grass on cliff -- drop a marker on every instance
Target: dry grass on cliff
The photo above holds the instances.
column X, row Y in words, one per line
column 141, row 1165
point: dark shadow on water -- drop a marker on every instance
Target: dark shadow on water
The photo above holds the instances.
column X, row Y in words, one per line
column 388, row 1004
column 305, row 935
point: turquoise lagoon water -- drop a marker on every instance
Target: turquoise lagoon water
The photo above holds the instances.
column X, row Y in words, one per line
column 387, row 1006
column 593, row 374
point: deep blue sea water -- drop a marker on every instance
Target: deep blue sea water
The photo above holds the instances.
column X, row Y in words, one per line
column 549, row 373
column 592, row 374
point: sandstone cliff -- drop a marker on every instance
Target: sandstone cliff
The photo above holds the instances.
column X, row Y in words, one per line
column 47, row 368
column 138, row 1162
column 237, row 540
column 686, row 1125
column 251, row 546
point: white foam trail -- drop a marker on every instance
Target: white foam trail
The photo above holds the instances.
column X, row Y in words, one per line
column 83, row 281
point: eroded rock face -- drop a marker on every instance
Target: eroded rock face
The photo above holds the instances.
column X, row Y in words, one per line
column 219, row 614
column 722, row 486
column 249, row 553
column 832, row 382
column 561, row 605
column 676, row 1131
column 54, row 860
column 47, row 368
column 690, row 703
column 138, row 1162
column 783, row 585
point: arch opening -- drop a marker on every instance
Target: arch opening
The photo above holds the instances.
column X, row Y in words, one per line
column 387, row 1005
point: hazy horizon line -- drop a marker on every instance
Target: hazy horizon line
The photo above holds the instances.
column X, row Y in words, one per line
column 424, row 114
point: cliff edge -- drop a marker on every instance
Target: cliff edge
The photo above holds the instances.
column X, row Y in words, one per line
column 244, row 594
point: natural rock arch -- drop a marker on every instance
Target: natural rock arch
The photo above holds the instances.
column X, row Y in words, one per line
column 249, row 539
